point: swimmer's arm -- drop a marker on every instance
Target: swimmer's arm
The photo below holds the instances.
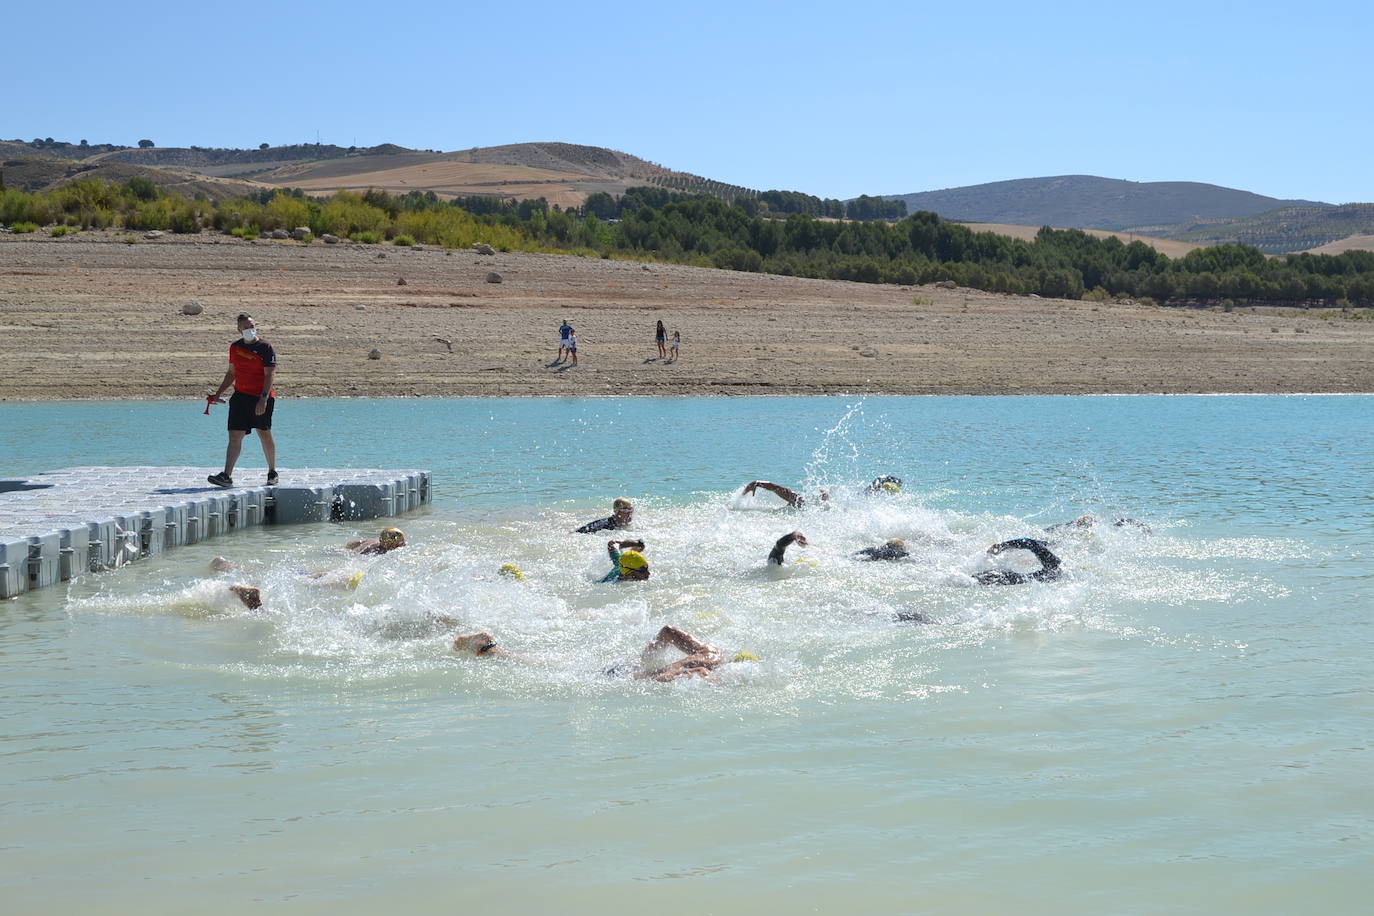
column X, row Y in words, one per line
column 791, row 497
column 682, row 640
column 780, row 548
column 600, row 524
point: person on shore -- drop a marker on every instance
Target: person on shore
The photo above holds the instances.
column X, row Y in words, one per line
column 565, row 331
column 775, row 556
column 252, row 370
column 1050, row 566
column 388, row 540
column 676, row 349
column 887, row 483
column 572, row 347
column 893, row 549
column 661, row 339
column 630, row 564
column 622, row 514
column 793, row 499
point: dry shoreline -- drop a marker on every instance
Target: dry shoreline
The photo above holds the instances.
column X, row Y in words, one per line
column 93, row 317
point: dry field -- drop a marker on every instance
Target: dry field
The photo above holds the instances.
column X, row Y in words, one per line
column 92, row 317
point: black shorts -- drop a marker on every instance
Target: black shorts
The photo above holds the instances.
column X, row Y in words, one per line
column 242, row 412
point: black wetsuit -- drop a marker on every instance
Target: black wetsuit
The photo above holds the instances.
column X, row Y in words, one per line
column 601, row 524
column 1133, row 523
column 1049, row 565
column 780, row 548
column 913, row 617
column 879, row 482
column 885, row 552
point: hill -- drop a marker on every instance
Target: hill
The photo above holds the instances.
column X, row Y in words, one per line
column 1089, row 202
column 1286, row 229
column 36, row 173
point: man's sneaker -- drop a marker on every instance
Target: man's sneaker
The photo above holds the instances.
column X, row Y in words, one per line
column 221, row 479
column 271, row 478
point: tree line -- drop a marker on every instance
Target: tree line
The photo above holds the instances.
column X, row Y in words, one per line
column 658, row 223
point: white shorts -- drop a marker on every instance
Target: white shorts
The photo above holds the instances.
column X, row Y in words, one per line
column 563, row 343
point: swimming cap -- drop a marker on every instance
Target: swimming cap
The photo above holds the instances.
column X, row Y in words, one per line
column 354, row 579
column 512, row 571
column 622, row 503
column 891, row 487
column 745, row 655
column 896, row 543
column 633, row 559
column 392, row 537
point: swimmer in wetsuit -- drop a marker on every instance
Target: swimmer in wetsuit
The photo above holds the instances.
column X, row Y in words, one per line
column 622, row 513
column 893, row 549
column 887, row 483
column 1088, row 520
column 775, row 556
column 793, row 499
column 1049, row 564
column 630, row 564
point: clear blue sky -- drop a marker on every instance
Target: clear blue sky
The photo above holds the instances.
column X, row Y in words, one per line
column 835, row 99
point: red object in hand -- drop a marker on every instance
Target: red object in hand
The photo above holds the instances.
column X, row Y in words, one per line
column 208, row 401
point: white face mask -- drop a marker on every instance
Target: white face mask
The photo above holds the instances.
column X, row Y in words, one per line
column 250, row 335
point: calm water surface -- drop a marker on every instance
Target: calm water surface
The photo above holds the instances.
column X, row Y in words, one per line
column 1183, row 724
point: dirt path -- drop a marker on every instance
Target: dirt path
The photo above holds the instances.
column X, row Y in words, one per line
column 92, row 317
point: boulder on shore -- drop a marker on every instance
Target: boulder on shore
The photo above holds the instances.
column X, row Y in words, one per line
column 483, row 248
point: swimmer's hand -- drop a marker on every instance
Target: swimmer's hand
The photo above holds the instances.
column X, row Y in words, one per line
column 995, row 549
column 633, row 545
column 799, row 538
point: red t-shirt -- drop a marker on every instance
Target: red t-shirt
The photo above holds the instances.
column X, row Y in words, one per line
column 249, row 361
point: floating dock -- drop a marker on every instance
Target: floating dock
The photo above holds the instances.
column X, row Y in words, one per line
column 59, row 524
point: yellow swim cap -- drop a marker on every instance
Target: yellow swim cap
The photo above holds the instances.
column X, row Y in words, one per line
column 392, row 537
column 633, row 559
column 354, row 579
column 512, row 571
column 744, row 656
column 891, row 487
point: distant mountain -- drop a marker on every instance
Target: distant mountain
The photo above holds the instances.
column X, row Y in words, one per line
column 1088, row 202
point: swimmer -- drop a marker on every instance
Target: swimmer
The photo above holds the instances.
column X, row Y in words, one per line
column 887, row 483
column 511, row 571
column 390, row 539
column 1088, row 520
column 893, row 549
column 787, row 540
column 793, row 499
column 1049, row 564
column 622, row 513
column 701, row 659
column 630, row 564
column 222, row 564
column 913, row 617
column 480, row 644
column 249, row 595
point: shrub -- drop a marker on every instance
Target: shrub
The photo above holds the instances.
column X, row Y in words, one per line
column 184, row 220
column 57, row 231
column 21, row 228
column 1096, row 294
column 922, row 300
column 244, row 232
column 1146, row 300
column 367, row 237
column 1227, row 305
column 404, row 241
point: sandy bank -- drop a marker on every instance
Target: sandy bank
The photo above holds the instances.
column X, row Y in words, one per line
column 91, row 316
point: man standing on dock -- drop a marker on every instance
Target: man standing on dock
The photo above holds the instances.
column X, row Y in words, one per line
column 252, row 367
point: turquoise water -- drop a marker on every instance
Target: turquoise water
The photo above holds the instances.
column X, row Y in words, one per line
column 1182, row 724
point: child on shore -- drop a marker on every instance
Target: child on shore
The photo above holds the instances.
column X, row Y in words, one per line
column 676, row 347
